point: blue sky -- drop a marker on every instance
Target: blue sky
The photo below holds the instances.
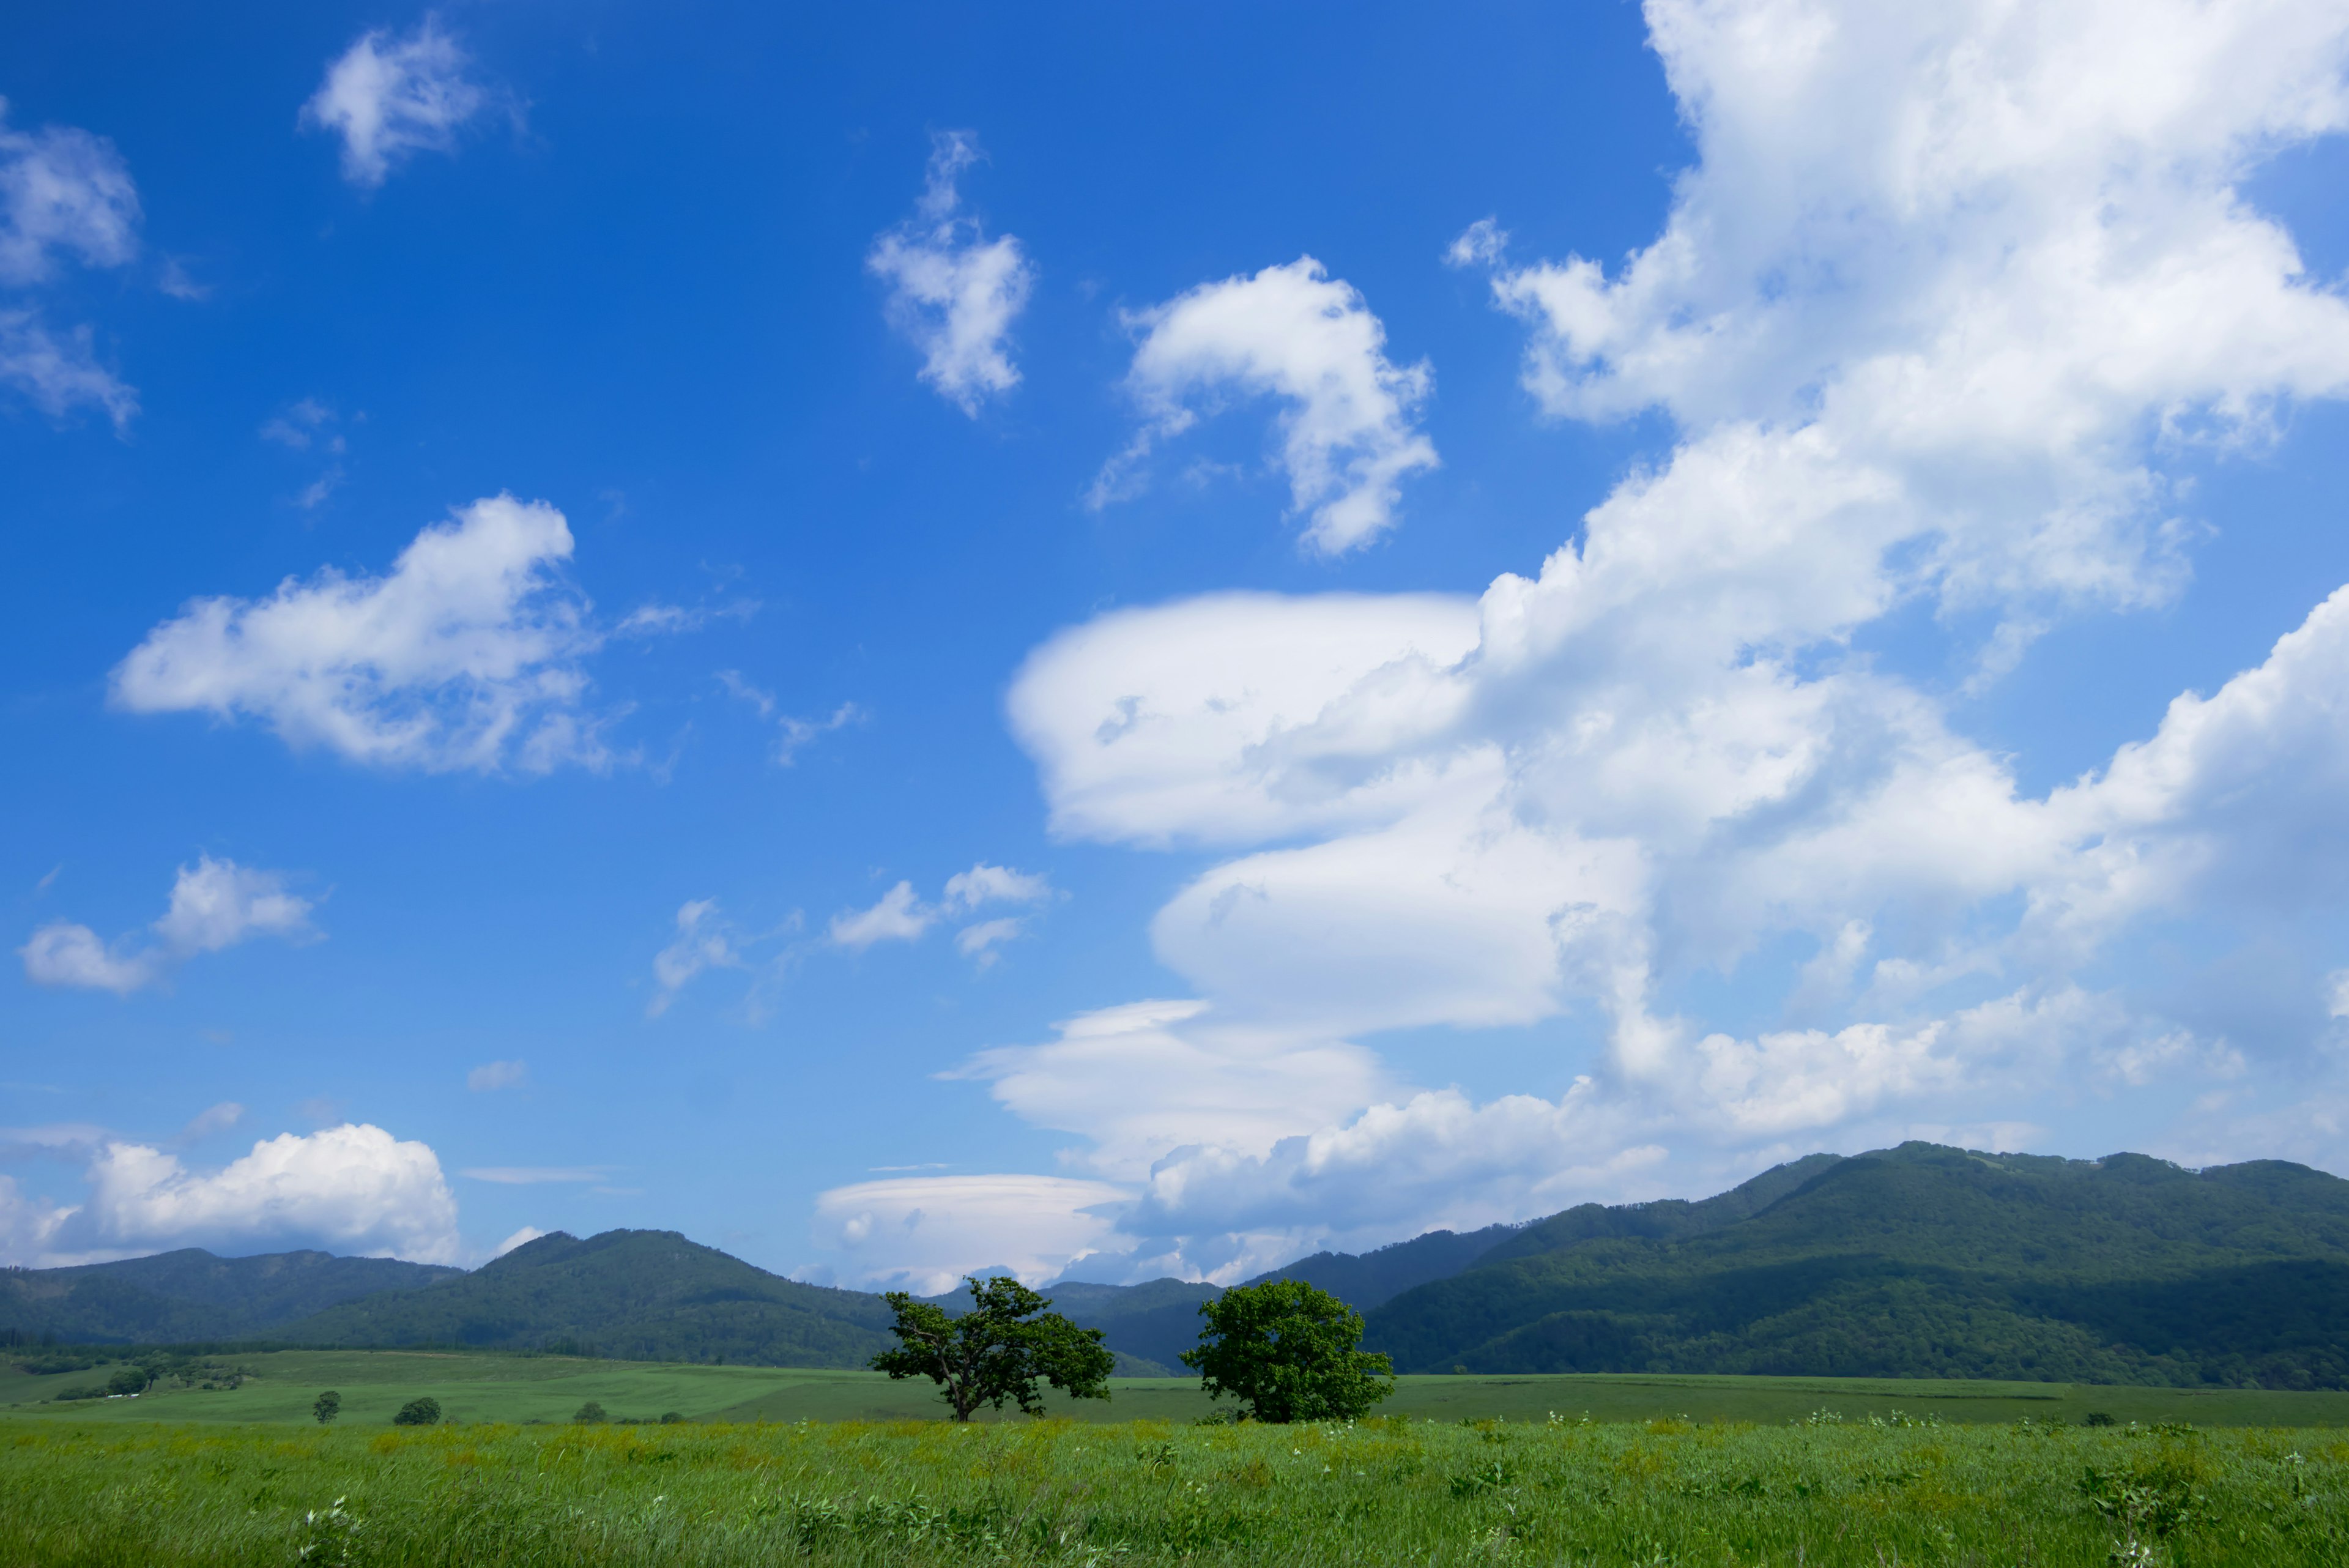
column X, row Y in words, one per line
column 1082, row 640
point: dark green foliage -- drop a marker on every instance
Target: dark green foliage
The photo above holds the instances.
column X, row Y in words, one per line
column 1148, row 1326
column 642, row 1295
column 327, row 1406
column 132, row 1379
column 1288, row 1352
column 1921, row 1261
column 189, row 1295
column 591, row 1414
column 1000, row 1348
column 419, row 1412
column 1369, row 1277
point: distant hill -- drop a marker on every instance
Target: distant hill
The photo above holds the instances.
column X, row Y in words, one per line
column 190, row 1294
column 1915, row 1262
column 1365, row 1280
column 648, row 1295
column 1921, row 1262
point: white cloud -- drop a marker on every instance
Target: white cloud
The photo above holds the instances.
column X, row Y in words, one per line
column 490, row 1076
column 793, row 733
column 920, row 1233
column 1947, row 290
column 1292, row 333
column 702, row 942
column 535, row 1174
column 59, row 374
column 978, row 942
column 62, row 191
column 217, row 1119
column 1142, row 1078
column 215, row 905
column 985, row 884
column 353, row 1190
column 465, row 656
column 901, row 915
column 528, row 1233
column 391, row 98
column 952, row 293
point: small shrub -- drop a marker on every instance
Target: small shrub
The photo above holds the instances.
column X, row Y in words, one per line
column 419, row 1412
column 328, row 1536
column 591, row 1414
column 670, row 1419
column 2098, row 1419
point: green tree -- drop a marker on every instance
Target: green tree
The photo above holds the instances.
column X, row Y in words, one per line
column 591, row 1414
column 1288, row 1352
column 419, row 1412
column 1000, row 1349
column 327, row 1406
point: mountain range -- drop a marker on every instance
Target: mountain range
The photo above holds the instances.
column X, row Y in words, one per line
column 1920, row 1261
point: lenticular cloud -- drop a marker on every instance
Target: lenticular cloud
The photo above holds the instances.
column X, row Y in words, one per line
column 1946, row 290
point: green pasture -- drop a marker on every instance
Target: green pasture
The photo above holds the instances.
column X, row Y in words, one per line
column 82, row 1492
column 475, row 1387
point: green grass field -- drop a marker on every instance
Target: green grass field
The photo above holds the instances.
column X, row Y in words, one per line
column 114, row 1493
column 522, row 1389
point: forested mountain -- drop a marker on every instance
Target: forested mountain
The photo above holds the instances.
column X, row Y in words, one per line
column 1921, row 1261
column 190, row 1294
column 1917, row 1262
column 636, row 1294
column 1366, row 1280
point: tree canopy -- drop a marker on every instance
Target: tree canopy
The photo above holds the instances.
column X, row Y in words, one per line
column 1289, row 1353
column 1001, row 1349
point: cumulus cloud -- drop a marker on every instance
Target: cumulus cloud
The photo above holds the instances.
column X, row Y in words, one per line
column 467, row 655
column 901, row 915
column 920, row 1233
column 1347, row 431
column 215, row 905
column 954, row 293
column 1948, row 293
column 390, row 98
column 353, row 1190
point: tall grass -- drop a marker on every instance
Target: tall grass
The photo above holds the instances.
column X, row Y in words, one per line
column 1668, row 1492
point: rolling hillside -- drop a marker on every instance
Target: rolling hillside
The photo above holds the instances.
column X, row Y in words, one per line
column 190, row 1294
column 648, row 1296
column 1922, row 1262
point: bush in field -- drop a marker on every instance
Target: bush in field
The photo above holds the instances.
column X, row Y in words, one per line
column 419, row 1412
column 591, row 1414
column 327, row 1406
column 1289, row 1353
column 1000, row 1349
column 132, row 1379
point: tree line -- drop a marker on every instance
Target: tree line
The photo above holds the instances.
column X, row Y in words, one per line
column 1282, row 1350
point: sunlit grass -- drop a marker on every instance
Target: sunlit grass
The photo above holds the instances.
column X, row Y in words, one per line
column 1655, row 1492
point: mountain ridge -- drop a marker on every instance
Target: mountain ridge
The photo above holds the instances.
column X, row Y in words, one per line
column 1916, row 1261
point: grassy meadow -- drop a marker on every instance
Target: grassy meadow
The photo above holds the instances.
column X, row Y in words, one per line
column 115, row 1492
column 278, row 1386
